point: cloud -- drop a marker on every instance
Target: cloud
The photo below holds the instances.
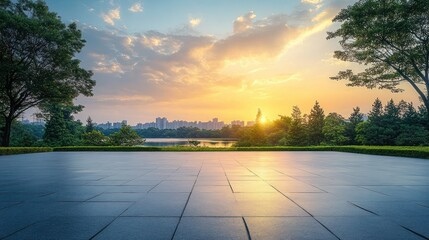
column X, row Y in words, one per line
column 242, row 23
column 136, row 7
column 165, row 67
column 194, row 22
column 265, row 38
column 312, row 1
column 111, row 16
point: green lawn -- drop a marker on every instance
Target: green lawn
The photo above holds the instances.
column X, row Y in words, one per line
column 417, row 152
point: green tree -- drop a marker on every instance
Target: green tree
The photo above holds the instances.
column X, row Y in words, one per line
column 56, row 132
column 334, row 130
column 383, row 125
column 277, row 133
column 90, row 126
column 412, row 135
column 315, row 124
column 370, row 132
column 297, row 134
column 126, row 136
column 22, row 135
column 376, row 111
column 412, row 131
column 94, row 138
column 37, row 60
column 61, row 129
column 355, row 118
column 391, row 38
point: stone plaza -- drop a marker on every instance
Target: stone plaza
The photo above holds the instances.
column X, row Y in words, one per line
column 213, row 195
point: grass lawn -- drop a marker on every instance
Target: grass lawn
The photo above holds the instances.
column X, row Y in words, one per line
column 417, row 152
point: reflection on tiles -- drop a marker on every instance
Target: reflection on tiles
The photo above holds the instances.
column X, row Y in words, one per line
column 213, row 195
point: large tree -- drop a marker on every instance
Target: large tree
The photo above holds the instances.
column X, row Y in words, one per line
column 37, row 60
column 391, row 39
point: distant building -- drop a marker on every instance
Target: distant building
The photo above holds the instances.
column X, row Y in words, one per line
column 250, row 123
column 161, row 123
column 237, row 123
column 107, row 125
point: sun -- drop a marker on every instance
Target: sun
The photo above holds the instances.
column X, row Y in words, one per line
column 263, row 120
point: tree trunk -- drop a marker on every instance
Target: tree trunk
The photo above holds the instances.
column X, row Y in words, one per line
column 6, row 132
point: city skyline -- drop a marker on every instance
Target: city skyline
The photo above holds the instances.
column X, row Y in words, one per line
column 164, row 123
column 227, row 59
column 160, row 123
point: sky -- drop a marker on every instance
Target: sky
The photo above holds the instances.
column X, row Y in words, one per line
column 199, row 59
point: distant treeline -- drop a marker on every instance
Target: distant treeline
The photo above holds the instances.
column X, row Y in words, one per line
column 392, row 124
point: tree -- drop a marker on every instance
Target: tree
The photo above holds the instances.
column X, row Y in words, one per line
column 56, row 132
column 334, row 130
column 412, row 130
column 94, row 138
column 126, row 136
column 258, row 117
column 297, row 135
column 90, row 126
column 315, row 124
column 61, row 129
column 376, row 111
column 372, row 131
column 37, row 60
column 383, row 125
column 22, row 136
column 391, row 38
column 355, row 118
column 412, row 135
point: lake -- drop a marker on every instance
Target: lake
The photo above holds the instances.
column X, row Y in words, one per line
column 203, row 142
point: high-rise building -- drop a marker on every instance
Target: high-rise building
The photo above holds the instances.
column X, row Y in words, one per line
column 161, row 123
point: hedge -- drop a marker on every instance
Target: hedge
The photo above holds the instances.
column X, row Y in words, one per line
column 20, row 150
column 417, row 152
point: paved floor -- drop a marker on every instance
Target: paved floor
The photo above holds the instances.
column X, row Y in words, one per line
column 231, row 195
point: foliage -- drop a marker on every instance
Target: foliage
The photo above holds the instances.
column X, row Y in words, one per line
column 94, row 138
column 22, row 135
column 297, row 133
column 334, row 130
column 37, row 60
column 61, row 129
column 21, row 150
column 90, row 126
column 412, row 135
column 252, row 136
column 391, row 39
column 315, row 125
column 392, row 124
column 126, row 136
column 396, row 124
column 355, row 118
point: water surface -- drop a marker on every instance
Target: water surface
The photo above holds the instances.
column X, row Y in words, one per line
column 202, row 142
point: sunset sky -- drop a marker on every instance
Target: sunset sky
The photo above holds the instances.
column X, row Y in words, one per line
column 199, row 59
